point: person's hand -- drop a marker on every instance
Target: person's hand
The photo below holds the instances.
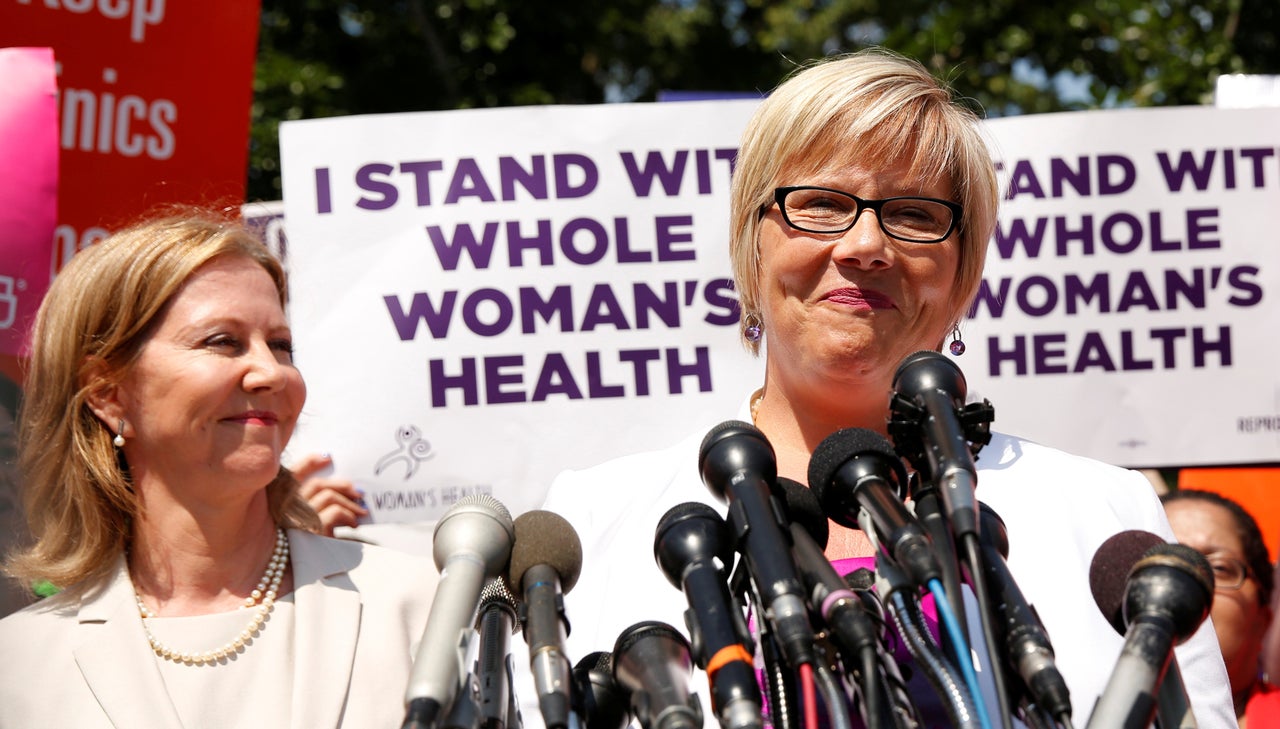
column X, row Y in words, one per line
column 336, row 500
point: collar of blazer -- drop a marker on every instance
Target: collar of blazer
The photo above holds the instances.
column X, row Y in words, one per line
column 327, row 608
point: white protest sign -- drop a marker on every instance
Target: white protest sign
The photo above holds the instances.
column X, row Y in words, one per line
column 1129, row 310
column 482, row 299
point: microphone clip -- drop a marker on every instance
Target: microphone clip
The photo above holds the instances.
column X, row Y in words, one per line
column 907, row 416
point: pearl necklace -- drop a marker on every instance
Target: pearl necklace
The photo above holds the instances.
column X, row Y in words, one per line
column 756, row 397
column 266, row 591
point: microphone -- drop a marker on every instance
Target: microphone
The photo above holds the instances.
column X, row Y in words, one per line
column 1026, row 643
column 855, row 634
column 856, row 469
column 928, row 390
column 1166, row 597
column 603, row 704
column 545, row 563
column 738, row 465
column 471, row 544
column 694, row 547
column 496, row 620
column 1110, row 568
column 851, row 628
column 651, row 659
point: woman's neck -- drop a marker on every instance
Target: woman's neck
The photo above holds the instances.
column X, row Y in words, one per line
column 183, row 565
column 795, row 432
column 795, row 429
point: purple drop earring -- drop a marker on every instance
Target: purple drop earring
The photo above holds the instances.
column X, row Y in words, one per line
column 754, row 328
column 957, row 344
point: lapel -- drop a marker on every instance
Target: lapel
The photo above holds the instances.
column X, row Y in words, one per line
column 115, row 659
column 327, row 624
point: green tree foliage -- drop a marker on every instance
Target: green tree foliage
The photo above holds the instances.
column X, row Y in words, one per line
column 329, row 57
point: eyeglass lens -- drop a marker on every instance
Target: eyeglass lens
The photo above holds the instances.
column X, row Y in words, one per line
column 1228, row 573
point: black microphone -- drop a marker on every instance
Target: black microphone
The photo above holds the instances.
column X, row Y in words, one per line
column 738, row 465
column 497, row 619
column 928, row 391
column 1026, row 643
column 651, row 659
column 545, row 563
column 856, row 635
column 694, row 547
column 1166, row 597
column 602, row 702
column 851, row 628
column 471, row 544
column 856, row 469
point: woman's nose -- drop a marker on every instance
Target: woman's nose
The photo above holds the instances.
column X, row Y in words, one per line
column 265, row 368
column 865, row 245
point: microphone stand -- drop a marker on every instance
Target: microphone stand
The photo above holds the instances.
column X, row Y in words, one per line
column 928, row 509
column 1173, row 706
column 780, row 688
column 907, row 426
column 977, row 575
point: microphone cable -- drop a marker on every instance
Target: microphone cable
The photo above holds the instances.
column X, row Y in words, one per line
column 909, row 621
column 973, row 558
column 891, row 688
column 947, row 620
column 927, row 506
column 808, row 695
column 777, row 685
column 908, row 618
column 836, row 701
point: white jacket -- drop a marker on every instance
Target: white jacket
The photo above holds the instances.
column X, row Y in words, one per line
column 1058, row 509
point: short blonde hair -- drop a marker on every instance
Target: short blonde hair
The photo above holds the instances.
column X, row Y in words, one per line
column 89, row 331
column 881, row 108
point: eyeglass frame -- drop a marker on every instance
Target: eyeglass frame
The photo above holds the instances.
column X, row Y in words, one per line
column 780, row 197
column 1245, row 571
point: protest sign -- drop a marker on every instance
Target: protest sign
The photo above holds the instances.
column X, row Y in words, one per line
column 1128, row 307
column 484, row 298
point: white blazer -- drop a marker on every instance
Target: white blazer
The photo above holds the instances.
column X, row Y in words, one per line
column 81, row 658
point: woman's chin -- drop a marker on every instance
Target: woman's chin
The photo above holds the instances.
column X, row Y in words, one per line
column 259, row 467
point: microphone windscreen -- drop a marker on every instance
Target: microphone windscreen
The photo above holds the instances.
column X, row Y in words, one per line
column 686, row 510
column 1177, row 578
column 734, row 447
column 546, row 538
column 929, row 370
column 497, row 594
column 598, row 661
column 841, row 446
column 477, row 524
column 1110, row 569
column 803, row 509
column 605, row 703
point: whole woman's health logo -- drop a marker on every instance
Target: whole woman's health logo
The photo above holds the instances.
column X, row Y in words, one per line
column 410, row 451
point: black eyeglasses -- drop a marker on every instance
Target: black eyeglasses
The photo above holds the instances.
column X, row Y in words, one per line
column 1229, row 573
column 825, row 210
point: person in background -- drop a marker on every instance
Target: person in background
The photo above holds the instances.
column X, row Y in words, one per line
column 1226, row 534
column 862, row 203
column 194, row 592
column 12, row 528
column 336, row 500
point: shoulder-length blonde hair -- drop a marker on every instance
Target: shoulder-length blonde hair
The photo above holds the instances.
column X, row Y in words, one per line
column 89, row 331
column 877, row 107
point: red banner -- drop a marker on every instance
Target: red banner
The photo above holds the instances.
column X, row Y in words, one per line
column 153, row 102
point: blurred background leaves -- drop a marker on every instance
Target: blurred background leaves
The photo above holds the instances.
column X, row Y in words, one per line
column 321, row 58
